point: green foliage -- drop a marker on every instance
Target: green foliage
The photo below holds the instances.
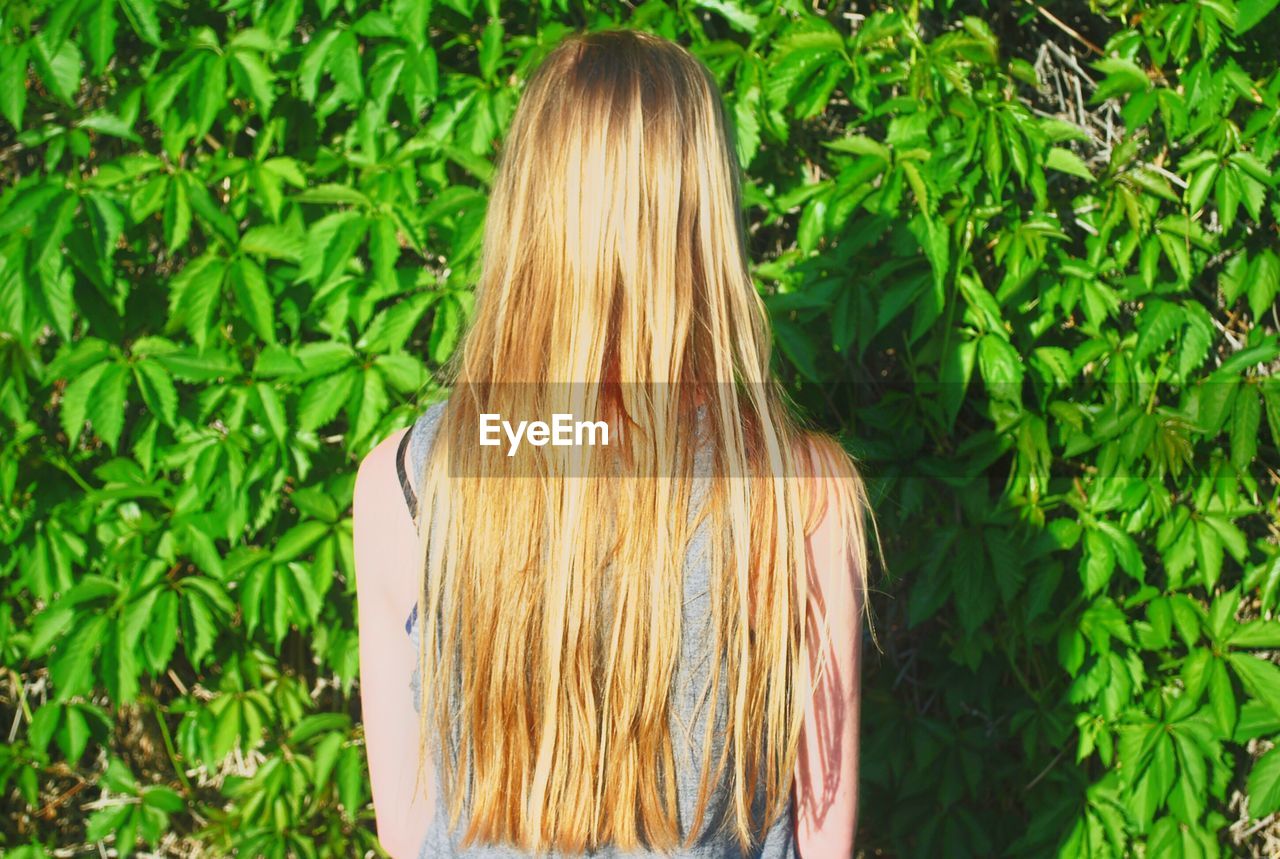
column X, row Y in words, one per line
column 1023, row 257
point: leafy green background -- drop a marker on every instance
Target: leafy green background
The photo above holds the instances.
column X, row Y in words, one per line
column 1022, row 256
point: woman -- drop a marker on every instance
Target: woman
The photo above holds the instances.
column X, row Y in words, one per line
column 649, row 645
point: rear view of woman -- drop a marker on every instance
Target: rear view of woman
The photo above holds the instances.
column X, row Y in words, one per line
column 647, row 641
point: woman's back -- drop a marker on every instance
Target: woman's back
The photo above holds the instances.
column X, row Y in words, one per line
column 690, row 709
column 574, row 624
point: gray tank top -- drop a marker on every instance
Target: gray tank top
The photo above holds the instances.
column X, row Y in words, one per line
column 688, row 721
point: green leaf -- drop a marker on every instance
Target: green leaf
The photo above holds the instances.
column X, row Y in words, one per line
column 1122, row 76
column 1001, row 368
column 199, row 627
column 177, row 216
column 298, row 539
column 1257, row 633
column 405, row 373
column 71, row 668
column 1260, row 677
column 273, row 410
column 446, row 328
column 255, row 78
column 1200, row 185
column 13, row 89
column 797, row 346
column 254, row 299
column 1066, row 161
column 194, row 296
column 860, row 144
column 73, row 734
column 323, row 399
column 59, row 69
column 1222, row 697
column 75, row 401
column 734, row 12
column 226, row 728
column 1263, row 282
column 1208, row 553
column 49, row 627
column 277, row 242
column 1264, row 785
column 1233, row 279
column 313, row 62
column 344, row 66
column 162, row 634
column 1250, row 13
column 106, row 404
column 107, row 821
column 326, row 756
column 370, row 405
column 142, row 16
column 156, row 386
column 102, row 32
column 1246, row 420
column 351, row 780
column 163, row 798
column 491, row 42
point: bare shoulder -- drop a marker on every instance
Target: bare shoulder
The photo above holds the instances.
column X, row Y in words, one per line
column 380, row 516
column 834, row 493
column 379, row 464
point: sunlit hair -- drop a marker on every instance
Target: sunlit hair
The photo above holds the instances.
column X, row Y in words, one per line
column 614, row 259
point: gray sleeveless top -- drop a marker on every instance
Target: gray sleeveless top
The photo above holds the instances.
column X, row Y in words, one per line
column 688, row 718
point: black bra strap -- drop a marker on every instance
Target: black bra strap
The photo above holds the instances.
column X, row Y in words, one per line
column 410, row 497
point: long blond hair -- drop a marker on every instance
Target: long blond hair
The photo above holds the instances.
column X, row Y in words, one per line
column 614, row 280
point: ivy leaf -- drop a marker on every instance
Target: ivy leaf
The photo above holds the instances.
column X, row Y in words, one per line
column 344, row 66
column 75, row 401
column 1001, row 368
column 733, row 12
column 177, row 215
column 13, row 83
column 446, row 328
column 1260, row 677
column 106, row 404
column 1122, row 76
column 255, row 78
column 351, row 780
column 1222, row 698
column 277, row 242
column 324, row 398
column 1066, row 161
column 1258, row 633
column 491, row 42
column 1250, row 13
column 797, row 347
column 199, row 627
column 369, row 409
column 157, row 390
column 1264, row 785
column 162, row 633
column 1156, row 327
column 1263, row 282
column 59, row 69
column 102, row 30
column 71, row 668
column 142, row 16
column 195, row 294
column 254, row 299
column 1246, row 420
column 298, row 539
